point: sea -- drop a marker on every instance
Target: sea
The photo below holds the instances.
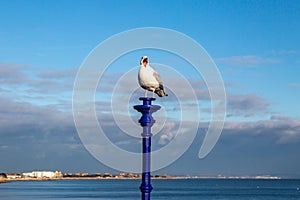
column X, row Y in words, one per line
column 173, row 189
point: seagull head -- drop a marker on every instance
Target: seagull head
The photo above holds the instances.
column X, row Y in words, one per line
column 144, row 61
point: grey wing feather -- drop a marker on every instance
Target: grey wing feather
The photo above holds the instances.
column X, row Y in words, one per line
column 160, row 90
column 157, row 77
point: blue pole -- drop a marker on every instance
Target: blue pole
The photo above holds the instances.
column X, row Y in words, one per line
column 146, row 122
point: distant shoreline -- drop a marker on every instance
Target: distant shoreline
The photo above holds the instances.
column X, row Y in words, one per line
column 77, row 178
column 138, row 178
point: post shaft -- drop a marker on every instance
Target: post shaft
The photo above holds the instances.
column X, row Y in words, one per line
column 146, row 121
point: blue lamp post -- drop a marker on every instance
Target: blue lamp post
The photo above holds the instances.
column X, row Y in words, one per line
column 146, row 122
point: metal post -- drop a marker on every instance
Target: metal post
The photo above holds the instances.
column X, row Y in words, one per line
column 146, row 122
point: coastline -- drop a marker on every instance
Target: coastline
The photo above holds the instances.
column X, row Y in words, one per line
column 135, row 178
column 3, row 181
column 77, row 178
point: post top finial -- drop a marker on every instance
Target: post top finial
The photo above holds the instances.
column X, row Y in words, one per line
column 146, row 109
column 147, row 100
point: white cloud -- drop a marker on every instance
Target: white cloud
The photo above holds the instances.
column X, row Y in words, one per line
column 283, row 52
column 295, row 85
column 247, row 105
column 280, row 129
column 248, row 60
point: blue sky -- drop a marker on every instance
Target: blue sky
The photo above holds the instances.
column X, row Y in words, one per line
column 255, row 45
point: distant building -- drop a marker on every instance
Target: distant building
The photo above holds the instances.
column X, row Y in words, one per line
column 58, row 174
column 13, row 176
column 106, row 175
column 80, row 174
column 42, row 174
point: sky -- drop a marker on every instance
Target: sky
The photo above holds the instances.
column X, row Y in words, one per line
column 254, row 44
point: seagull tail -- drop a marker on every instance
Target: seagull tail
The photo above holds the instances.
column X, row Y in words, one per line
column 160, row 92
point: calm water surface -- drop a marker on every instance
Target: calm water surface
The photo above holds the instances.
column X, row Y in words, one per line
column 185, row 189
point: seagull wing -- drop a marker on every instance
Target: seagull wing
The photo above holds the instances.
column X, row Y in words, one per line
column 160, row 90
column 157, row 77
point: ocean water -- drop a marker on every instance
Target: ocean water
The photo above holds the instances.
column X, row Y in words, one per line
column 183, row 189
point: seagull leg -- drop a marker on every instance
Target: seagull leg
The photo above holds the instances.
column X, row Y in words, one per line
column 146, row 93
column 153, row 93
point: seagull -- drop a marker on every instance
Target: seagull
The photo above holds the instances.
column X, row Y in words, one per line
column 149, row 79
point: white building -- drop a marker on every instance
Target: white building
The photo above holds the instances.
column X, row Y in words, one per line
column 41, row 174
column 13, row 176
